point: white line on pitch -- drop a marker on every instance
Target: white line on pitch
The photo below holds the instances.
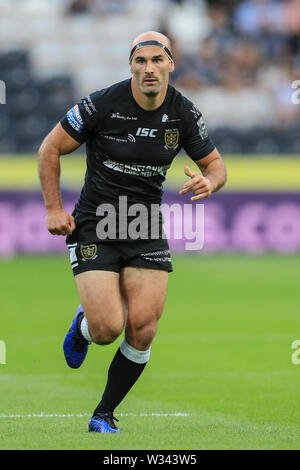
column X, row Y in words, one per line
column 83, row 415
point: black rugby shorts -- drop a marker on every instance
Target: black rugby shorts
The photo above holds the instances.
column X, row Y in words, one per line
column 113, row 256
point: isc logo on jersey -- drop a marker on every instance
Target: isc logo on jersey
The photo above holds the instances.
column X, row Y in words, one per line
column 146, row 132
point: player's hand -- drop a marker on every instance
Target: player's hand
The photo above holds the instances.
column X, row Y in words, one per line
column 59, row 222
column 198, row 184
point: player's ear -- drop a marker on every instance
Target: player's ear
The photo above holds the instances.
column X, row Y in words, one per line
column 172, row 66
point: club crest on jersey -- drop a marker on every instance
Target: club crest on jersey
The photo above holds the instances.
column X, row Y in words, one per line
column 88, row 251
column 171, row 138
column 202, row 128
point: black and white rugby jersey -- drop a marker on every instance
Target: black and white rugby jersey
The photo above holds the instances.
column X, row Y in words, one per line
column 129, row 149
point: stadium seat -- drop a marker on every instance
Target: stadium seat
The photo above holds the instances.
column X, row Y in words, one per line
column 57, row 96
column 7, row 8
column 11, row 33
column 24, row 102
column 39, row 8
column 82, row 28
column 16, row 79
column 45, row 29
column 47, row 59
column 13, row 58
column 5, row 123
column 93, row 78
column 8, row 145
column 31, row 128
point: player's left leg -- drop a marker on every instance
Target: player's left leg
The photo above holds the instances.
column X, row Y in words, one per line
column 144, row 293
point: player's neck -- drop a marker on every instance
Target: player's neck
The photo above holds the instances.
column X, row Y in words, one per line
column 148, row 103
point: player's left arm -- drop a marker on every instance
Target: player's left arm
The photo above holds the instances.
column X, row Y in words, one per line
column 212, row 177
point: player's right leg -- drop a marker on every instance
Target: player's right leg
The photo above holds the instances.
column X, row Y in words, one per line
column 100, row 296
column 100, row 317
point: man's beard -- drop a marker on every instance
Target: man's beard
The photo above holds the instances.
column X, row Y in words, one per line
column 151, row 93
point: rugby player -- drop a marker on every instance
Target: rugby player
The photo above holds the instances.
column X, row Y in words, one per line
column 132, row 130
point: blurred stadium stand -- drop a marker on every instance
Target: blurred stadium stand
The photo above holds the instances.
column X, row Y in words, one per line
column 235, row 59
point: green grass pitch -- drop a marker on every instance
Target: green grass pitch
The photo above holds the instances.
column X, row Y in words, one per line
column 220, row 374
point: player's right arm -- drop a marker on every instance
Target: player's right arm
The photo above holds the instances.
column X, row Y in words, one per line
column 58, row 142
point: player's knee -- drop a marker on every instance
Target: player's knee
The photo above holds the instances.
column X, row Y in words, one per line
column 146, row 337
column 105, row 334
column 142, row 333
